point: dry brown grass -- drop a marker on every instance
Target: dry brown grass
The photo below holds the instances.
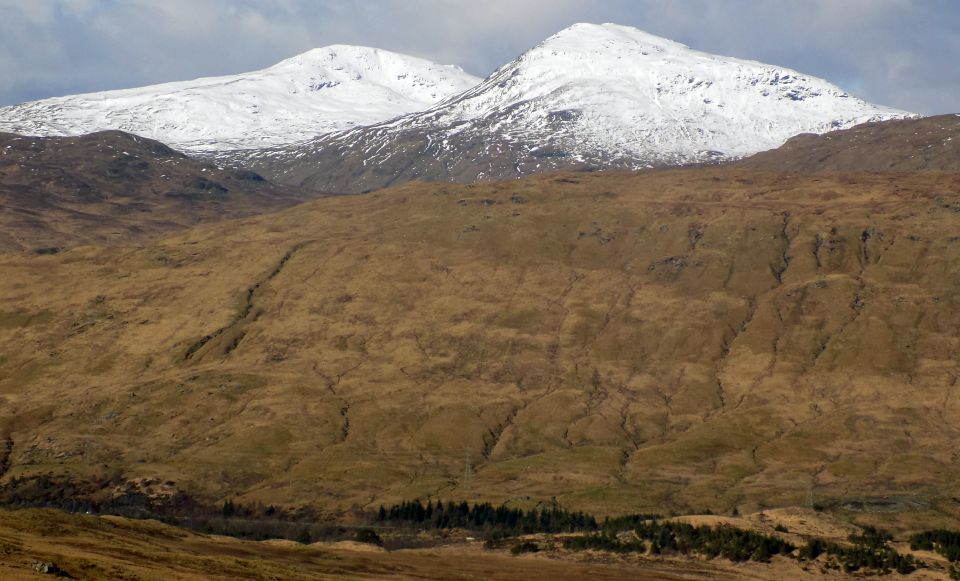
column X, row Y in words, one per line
column 674, row 340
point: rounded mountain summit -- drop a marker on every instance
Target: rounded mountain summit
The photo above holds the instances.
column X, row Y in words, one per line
column 591, row 96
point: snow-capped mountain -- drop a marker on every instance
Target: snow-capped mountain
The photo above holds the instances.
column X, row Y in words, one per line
column 590, row 96
column 318, row 92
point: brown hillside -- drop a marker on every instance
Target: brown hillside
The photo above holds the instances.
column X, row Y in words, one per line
column 113, row 187
column 695, row 339
column 927, row 144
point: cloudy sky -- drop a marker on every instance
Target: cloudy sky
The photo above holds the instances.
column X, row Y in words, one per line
column 901, row 53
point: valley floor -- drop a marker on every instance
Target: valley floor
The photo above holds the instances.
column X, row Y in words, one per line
column 91, row 547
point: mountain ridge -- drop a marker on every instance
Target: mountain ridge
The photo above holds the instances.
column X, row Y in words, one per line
column 352, row 119
column 591, row 96
column 906, row 145
column 112, row 188
column 316, row 92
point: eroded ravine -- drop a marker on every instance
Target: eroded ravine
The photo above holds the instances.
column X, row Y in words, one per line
column 233, row 333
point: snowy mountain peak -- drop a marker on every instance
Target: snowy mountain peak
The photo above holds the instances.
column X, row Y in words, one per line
column 593, row 95
column 623, row 91
column 586, row 34
column 320, row 91
column 408, row 76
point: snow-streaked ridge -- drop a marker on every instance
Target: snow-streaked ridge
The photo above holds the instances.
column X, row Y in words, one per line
column 321, row 91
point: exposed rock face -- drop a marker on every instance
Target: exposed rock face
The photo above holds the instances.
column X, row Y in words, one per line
column 47, row 568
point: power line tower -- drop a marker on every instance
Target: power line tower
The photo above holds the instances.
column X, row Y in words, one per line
column 467, row 469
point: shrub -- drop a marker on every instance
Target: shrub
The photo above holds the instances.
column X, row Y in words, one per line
column 368, row 536
column 525, row 547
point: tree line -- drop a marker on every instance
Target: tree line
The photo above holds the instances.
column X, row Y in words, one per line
column 486, row 517
column 947, row 543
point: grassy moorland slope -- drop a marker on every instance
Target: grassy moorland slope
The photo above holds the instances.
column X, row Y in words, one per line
column 687, row 340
